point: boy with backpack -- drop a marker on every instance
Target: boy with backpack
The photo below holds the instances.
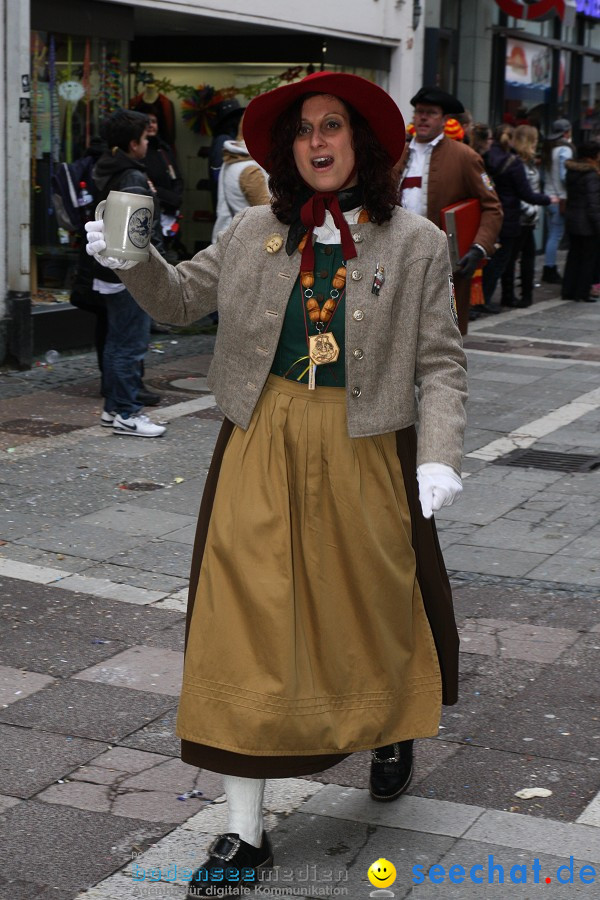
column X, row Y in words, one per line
column 121, row 168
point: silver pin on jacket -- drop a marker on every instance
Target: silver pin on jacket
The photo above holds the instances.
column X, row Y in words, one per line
column 378, row 280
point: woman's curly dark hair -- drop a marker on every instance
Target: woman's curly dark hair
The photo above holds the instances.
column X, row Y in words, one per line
column 373, row 165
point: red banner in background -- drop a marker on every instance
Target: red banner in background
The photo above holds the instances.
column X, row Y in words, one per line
column 538, row 10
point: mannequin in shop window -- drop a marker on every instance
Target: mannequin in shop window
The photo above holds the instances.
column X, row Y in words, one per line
column 151, row 102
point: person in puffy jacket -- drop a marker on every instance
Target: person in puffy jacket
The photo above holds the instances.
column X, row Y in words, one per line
column 242, row 183
column 507, row 171
column 582, row 222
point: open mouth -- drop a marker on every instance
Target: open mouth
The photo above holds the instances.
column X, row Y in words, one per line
column 322, row 162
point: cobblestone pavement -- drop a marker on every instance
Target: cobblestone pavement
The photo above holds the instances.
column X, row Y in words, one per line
column 95, row 544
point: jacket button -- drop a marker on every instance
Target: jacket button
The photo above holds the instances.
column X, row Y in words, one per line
column 358, row 353
column 357, row 237
column 356, row 275
column 356, row 392
column 358, row 315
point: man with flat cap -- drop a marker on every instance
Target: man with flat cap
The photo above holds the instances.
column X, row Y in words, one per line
column 436, row 172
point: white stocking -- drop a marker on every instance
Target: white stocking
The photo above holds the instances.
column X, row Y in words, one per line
column 245, row 801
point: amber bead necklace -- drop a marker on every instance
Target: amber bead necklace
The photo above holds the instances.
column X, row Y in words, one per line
column 322, row 315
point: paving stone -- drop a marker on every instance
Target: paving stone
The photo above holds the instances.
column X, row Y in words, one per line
column 515, row 535
column 129, row 520
column 74, row 849
column 512, row 640
column 88, row 541
column 136, row 577
column 541, row 607
column 166, row 557
column 562, row 839
column 80, row 795
column 44, row 558
column 155, row 806
column 490, row 778
column 156, row 737
column 184, row 535
column 54, row 648
column 170, row 638
column 463, row 557
column 16, row 684
column 583, row 570
column 31, row 760
column 482, row 503
column 123, row 759
column 85, row 709
column 7, row 802
column 124, row 593
column 144, row 668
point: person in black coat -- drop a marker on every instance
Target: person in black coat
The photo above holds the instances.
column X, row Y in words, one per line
column 582, row 221
column 508, row 173
column 162, row 170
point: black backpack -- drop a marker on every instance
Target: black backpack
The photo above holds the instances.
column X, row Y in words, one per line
column 74, row 194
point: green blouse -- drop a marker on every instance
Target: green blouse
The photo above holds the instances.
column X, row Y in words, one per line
column 291, row 358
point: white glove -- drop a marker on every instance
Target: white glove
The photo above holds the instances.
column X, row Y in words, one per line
column 439, row 485
column 96, row 243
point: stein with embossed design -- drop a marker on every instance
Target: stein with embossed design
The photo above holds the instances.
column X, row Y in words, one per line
column 127, row 225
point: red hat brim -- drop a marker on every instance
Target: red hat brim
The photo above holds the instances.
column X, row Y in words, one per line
column 368, row 99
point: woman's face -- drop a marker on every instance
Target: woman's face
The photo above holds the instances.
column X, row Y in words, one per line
column 152, row 126
column 322, row 149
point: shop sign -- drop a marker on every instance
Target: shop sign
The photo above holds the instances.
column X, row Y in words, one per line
column 528, row 64
column 535, row 9
column 589, row 8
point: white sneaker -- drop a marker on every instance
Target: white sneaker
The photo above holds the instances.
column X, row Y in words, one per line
column 137, row 426
column 107, row 419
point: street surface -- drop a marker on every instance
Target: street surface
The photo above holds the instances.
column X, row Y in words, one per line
column 96, row 534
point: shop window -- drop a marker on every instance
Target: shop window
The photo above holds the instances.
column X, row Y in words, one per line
column 76, row 81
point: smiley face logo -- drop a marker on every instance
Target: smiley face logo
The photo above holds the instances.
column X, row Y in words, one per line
column 382, row 873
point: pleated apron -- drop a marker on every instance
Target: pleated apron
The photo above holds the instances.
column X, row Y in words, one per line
column 308, row 638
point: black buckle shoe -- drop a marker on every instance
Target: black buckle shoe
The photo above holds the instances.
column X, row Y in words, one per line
column 232, row 866
column 391, row 770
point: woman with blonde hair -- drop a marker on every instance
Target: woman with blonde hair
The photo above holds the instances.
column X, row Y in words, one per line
column 525, row 142
column 507, row 170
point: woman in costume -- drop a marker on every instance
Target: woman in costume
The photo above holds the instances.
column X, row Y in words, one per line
column 320, row 619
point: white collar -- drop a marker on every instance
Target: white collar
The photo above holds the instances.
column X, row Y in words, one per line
column 327, row 233
column 429, row 145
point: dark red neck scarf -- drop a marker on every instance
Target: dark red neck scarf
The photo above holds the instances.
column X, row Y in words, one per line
column 312, row 215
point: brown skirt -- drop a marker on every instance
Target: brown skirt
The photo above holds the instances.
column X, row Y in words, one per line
column 327, row 647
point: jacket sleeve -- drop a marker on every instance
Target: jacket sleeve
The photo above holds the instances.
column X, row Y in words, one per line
column 440, row 372
column 478, row 184
column 522, row 187
column 179, row 295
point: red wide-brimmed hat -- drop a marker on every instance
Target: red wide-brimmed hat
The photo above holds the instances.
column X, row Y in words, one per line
column 371, row 101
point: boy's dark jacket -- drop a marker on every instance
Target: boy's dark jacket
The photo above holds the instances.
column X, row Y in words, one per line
column 119, row 172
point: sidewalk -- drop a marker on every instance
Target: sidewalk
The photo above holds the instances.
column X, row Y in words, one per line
column 95, row 545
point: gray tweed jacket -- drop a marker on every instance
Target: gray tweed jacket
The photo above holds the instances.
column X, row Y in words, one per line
column 402, row 339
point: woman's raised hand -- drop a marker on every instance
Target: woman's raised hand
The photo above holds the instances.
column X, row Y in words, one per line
column 96, row 243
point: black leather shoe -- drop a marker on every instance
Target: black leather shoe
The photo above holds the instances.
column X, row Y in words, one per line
column 232, row 866
column 391, row 770
column 147, row 398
